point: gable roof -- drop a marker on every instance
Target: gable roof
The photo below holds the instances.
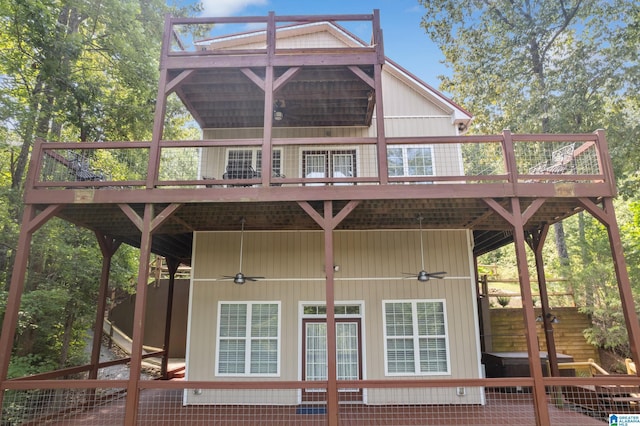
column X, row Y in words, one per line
column 346, row 98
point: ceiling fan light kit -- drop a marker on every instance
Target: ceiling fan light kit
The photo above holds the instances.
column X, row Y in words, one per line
column 422, row 276
column 278, row 110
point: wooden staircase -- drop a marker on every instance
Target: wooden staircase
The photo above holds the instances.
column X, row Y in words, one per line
column 604, row 399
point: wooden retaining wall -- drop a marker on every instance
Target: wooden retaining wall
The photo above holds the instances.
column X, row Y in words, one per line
column 507, row 332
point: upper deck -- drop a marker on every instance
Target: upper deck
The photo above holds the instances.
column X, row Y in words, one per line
column 307, row 113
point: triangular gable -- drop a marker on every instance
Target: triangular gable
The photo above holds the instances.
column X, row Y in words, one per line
column 330, row 34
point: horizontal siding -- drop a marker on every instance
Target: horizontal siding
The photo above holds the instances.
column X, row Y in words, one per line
column 401, row 100
column 313, row 40
column 417, row 126
column 371, row 266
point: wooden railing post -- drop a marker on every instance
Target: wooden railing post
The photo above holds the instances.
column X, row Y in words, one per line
column 508, row 150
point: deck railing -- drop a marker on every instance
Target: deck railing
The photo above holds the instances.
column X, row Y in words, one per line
column 503, row 159
column 206, row 36
column 570, row 401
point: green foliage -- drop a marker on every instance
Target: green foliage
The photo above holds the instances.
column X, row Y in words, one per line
column 28, row 365
column 73, row 71
column 568, row 67
column 531, row 67
column 503, row 301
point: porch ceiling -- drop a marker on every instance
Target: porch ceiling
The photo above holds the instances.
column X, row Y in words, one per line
column 174, row 237
column 313, row 97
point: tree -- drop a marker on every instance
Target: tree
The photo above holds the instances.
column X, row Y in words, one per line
column 550, row 66
column 72, row 70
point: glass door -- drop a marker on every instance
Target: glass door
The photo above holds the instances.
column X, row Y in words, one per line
column 348, row 356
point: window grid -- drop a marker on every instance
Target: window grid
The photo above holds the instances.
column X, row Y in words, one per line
column 254, row 156
column 248, row 339
column 416, row 338
column 339, row 310
column 410, row 160
column 339, row 163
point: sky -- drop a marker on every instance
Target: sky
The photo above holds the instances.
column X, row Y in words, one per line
column 405, row 41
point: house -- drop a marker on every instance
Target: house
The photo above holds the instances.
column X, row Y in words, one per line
column 333, row 253
column 368, row 262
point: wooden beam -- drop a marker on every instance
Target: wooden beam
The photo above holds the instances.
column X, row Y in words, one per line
column 363, row 76
column 132, row 215
column 164, row 215
column 496, row 207
column 253, row 77
column 532, row 209
column 171, row 85
column 285, row 77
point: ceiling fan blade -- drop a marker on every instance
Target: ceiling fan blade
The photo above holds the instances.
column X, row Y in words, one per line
column 253, row 278
column 438, row 275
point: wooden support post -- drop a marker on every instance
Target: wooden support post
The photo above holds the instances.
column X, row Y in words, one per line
column 536, row 242
column 607, row 217
column 30, row 224
column 328, row 223
column 172, row 264
column 383, row 166
column 161, row 108
column 332, row 370
column 108, row 247
column 158, row 126
column 518, row 219
column 538, row 391
column 267, row 149
column 131, row 408
column 15, row 293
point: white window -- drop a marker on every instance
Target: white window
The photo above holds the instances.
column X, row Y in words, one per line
column 410, row 160
column 329, row 163
column 416, row 340
column 253, row 156
column 248, row 339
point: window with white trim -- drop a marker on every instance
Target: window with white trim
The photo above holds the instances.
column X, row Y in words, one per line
column 415, row 334
column 253, row 156
column 329, row 163
column 248, row 339
column 410, row 160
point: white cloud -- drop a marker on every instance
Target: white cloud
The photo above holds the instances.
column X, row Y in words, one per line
column 228, row 7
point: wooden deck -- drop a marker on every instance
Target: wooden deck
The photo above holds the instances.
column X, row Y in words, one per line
column 161, row 407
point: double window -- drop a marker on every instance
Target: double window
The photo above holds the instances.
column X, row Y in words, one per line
column 253, row 156
column 416, row 341
column 410, row 160
column 248, row 339
column 329, row 163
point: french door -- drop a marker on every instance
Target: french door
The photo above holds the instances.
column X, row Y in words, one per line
column 348, row 356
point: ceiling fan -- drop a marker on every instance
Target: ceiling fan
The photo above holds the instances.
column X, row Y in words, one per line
column 241, row 278
column 423, row 275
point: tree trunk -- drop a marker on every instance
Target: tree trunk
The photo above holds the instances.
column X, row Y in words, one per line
column 561, row 244
column 18, row 172
column 66, row 337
